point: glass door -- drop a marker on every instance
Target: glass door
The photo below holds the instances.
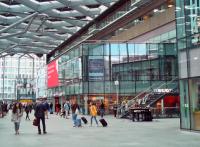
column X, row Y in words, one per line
column 184, row 106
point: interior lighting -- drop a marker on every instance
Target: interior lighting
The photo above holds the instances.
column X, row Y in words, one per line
column 192, row 15
column 178, row 8
column 198, row 21
column 170, row 5
column 188, row 7
column 145, row 17
column 155, row 10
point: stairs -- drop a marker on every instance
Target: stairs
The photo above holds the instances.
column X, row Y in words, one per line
column 125, row 115
column 152, row 99
column 146, row 98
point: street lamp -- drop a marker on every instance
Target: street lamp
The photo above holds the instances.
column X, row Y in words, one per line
column 117, row 92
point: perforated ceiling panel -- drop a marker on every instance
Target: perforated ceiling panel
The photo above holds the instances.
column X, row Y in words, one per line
column 39, row 26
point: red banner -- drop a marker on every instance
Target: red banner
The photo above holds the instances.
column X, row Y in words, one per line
column 52, row 74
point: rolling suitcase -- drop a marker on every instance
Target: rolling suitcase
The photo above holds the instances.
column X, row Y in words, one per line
column 84, row 120
column 103, row 122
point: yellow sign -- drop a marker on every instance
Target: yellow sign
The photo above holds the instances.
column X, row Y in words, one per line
column 26, row 101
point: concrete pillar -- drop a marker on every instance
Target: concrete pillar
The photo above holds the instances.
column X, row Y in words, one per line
column 162, row 106
column 86, row 104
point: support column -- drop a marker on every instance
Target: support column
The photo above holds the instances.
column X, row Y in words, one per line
column 3, row 67
column 162, row 107
column 86, row 104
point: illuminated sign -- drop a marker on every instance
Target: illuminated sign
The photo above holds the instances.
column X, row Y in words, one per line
column 96, row 68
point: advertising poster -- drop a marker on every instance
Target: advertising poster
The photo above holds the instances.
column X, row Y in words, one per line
column 52, row 71
column 96, row 68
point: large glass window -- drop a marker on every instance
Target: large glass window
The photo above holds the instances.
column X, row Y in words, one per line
column 96, row 87
column 115, row 50
column 135, row 66
column 194, row 62
column 183, row 65
column 185, row 112
column 96, row 49
column 194, row 85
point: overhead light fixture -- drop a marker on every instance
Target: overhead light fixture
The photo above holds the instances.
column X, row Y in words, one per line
column 155, row 10
column 178, row 8
column 170, row 5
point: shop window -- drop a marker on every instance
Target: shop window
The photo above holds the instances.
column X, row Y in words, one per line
column 194, row 86
column 182, row 65
column 194, row 62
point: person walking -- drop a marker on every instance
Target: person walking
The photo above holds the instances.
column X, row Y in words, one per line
column 30, row 108
column 1, row 111
column 27, row 110
column 40, row 115
column 93, row 113
column 115, row 107
column 58, row 108
column 102, row 109
column 75, row 109
column 46, row 109
column 51, row 108
column 67, row 108
column 17, row 114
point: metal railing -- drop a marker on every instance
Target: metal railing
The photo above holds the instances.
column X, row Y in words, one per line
column 166, row 112
column 148, row 91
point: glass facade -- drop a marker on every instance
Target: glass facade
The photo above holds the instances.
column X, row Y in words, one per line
column 41, row 81
column 90, row 70
column 188, row 38
column 17, row 76
column 125, row 9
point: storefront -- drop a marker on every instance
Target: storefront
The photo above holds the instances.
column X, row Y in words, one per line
column 89, row 72
column 188, row 38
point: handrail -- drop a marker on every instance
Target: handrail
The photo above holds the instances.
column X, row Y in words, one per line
column 161, row 86
column 136, row 97
column 139, row 94
column 142, row 93
column 157, row 99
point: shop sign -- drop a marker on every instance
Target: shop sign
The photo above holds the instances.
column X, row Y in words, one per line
column 162, row 90
column 52, row 72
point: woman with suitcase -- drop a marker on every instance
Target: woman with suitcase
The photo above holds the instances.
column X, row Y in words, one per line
column 93, row 113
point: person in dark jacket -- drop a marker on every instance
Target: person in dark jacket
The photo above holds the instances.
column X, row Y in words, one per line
column 40, row 115
column 51, row 107
column 27, row 110
column 115, row 107
column 75, row 108
column 102, row 109
column 46, row 109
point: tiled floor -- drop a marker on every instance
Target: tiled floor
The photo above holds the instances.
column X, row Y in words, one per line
column 119, row 133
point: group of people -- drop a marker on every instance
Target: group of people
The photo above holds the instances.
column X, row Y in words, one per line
column 65, row 110
column 4, row 107
column 41, row 109
column 75, row 110
column 122, row 109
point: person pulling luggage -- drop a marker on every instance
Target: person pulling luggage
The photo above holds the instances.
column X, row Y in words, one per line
column 75, row 110
column 93, row 113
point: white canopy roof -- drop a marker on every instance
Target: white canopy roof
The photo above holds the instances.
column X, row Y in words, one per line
column 39, row 26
